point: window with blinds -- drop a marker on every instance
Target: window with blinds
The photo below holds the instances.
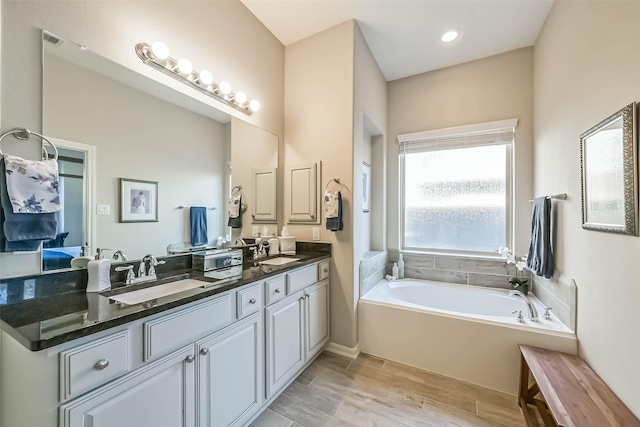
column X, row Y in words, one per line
column 456, row 188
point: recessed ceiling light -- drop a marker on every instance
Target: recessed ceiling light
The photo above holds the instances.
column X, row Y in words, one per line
column 449, row 36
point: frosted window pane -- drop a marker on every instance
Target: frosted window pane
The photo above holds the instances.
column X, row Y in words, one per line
column 456, row 199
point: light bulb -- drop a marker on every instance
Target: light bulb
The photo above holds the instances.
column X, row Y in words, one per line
column 184, row 66
column 160, row 50
column 254, row 105
column 225, row 87
column 241, row 97
column 449, row 36
column 206, row 77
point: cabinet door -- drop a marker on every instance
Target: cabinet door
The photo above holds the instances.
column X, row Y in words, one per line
column 264, row 194
column 317, row 318
column 161, row 394
column 230, row 373
column 285, row 341
column 303, row 198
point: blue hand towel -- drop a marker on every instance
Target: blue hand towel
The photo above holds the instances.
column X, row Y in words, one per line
column 198, row 226
column 540, row 258
column 22, row 231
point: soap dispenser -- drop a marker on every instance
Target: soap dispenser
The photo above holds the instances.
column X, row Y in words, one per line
column 99, row 270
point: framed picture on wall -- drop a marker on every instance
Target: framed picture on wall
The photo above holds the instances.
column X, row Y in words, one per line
column 138, row 200
column 366, row 187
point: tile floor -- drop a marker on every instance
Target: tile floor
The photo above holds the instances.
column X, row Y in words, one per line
column 335, row 391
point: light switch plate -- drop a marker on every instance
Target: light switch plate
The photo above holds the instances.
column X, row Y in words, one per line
column 316, row 233
column 104, row 209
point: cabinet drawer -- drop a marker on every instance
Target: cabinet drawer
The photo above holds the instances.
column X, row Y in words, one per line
column 323, row 270
column 94, row 363
column 275, row 289
column 302, row 278
column 173, row 331
column 249, row 300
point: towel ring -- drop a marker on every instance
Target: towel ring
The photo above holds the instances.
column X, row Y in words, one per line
column 24, row 134
column 336, row 180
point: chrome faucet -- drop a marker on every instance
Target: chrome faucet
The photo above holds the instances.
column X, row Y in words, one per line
column 144, row 275
column 262, row 250
column 151, row 273
column 533, row 313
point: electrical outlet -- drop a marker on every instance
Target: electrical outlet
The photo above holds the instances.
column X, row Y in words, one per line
column 103, row 209
column 316, row 233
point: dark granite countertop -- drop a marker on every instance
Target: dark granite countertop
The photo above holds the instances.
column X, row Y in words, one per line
column 48, row 321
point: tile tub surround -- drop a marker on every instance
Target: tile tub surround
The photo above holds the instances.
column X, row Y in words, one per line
column 561, row 294
column 372, row 270
column 370, row 391
column 475, row 271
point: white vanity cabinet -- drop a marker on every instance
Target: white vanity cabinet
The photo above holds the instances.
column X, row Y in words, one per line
column 230, row 374
column 160, row 394
column 297, row 328
column 215, row 378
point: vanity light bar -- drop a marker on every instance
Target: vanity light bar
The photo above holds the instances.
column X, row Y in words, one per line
column 157, row 56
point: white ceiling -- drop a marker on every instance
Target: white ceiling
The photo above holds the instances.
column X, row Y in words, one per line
column 404, row 35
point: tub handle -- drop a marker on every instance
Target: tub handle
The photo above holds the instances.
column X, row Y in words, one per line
column 518, row 314
column 547, row 315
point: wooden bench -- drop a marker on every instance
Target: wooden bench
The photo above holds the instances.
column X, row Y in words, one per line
column 573, row 394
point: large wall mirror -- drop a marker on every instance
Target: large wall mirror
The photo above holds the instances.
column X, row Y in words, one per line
column 140, row 129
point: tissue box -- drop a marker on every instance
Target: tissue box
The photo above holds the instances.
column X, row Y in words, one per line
column 287, row 245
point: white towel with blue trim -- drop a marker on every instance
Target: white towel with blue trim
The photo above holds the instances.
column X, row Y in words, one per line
column 32, row 186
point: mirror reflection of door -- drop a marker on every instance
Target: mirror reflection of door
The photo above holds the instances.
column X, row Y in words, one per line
column 58, row 253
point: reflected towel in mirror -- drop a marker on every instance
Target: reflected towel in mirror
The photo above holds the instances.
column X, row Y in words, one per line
column 32, row 186
column 22, row 231
column 198, row 216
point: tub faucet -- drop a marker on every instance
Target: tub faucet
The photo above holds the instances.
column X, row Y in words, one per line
column 533, row 313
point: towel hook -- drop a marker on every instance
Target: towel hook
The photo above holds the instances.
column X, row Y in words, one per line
column 24, row 134
column 332, row 180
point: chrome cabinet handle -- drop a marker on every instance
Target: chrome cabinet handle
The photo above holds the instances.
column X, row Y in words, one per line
column 326, row 269
column 277, row 290
column 101, row 365
column 312, row 216
column 252, row 301
column 204, row 351
column 190, row 358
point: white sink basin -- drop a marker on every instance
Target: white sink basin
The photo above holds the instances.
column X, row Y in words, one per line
column 153, row 292
column 279, row 261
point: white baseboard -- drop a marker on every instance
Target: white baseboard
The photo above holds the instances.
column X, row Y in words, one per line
column 341, row 350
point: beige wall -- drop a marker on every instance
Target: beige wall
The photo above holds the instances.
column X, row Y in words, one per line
column 318, row 127
column 369, row 145
column 586, row 68
column 237, row 48
column 494, row 88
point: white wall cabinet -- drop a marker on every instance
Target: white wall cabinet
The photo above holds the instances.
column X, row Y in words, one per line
column 161, row 394
column 304, row 192
column 230, row 374
column 264, row 183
